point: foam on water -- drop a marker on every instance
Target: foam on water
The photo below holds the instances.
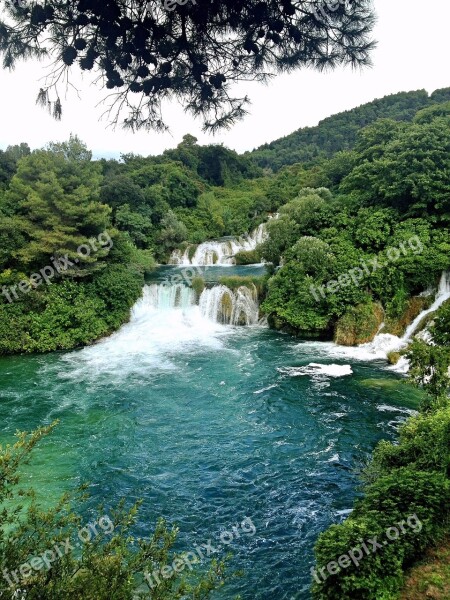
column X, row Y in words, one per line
column 164, row 322
column 315, row 369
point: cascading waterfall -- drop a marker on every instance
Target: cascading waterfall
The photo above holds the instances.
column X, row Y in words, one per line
column 218, row 304
column 383, row 343
column 222, row 305
column 220, row 252
column 442, row 295
column 164, row 297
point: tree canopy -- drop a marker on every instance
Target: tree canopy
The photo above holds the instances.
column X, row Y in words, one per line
column 146, row 52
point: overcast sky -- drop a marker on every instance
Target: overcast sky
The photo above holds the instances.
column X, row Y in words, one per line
column 412, row 53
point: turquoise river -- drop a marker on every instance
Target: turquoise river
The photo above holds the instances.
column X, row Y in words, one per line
column 210, row 424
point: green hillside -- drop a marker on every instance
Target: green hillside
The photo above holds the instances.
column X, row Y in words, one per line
column 339, row 132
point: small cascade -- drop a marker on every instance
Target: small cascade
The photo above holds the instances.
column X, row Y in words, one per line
column 164, row 297
column 442, row 295
column 218, row 304
column 384, row 343
column 220, row 252
column 222, row 305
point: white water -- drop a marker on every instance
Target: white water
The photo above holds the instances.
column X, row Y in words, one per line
column 164, row 322
column 315, row 369
column 239, row 307
column 165, row 297
column 220, row 252
column 383, row 343
column 442, row 295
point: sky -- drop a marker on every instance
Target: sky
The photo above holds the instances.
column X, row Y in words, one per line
column 412, row 53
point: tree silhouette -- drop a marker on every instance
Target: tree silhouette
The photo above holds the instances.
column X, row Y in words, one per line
column 191, row 50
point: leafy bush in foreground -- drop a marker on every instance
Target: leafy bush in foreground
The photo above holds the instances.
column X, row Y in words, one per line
column 404, row 479
column 111, row 565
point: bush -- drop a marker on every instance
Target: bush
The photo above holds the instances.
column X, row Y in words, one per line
column 111, row 564
column 423, row 445
column 248, row 257
column 67, row 314
column 235, row 281
column 388, row 502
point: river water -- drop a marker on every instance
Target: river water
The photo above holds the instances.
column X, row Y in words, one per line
column 210, row 424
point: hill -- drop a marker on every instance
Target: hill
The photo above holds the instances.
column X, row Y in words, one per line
column 339, row 132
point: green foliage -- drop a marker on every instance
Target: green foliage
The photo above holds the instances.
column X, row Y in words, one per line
column 53, row 204
column 138, row 226
column 409, row 171
column 441, row 329
column 359, row 324
column 393, row 497
column 233, row 282
column 423, row 446
column 248, row 257
column 304, row 215
column 69, row 314
column 198, row 285
column 225, row 211
column 430, row 369
column 340, row 131
column 111, row 565
column 172, row 232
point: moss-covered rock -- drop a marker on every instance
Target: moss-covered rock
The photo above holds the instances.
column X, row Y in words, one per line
column 198, row 285
column 191, row 252
column 393, row 357
column 226, row 308
column 359, row 324
column 414, row 307
column 256, row 283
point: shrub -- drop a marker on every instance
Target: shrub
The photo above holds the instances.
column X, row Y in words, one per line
column 388, row 501
column 111, row 565
column 248, row 257
column 423, row 445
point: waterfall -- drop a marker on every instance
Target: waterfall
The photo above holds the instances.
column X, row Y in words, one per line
column 218, row 304
column 220, row 252
column 164, row 297
column 222, row 305
column 383, row 343
column 442, row 295
column 388, row 343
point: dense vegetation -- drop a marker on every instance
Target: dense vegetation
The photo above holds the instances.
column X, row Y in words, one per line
column 340, row 132
column 360, row 233
column 79, row 235
column 408, row 480
column 376, row 236
column 336, row 216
